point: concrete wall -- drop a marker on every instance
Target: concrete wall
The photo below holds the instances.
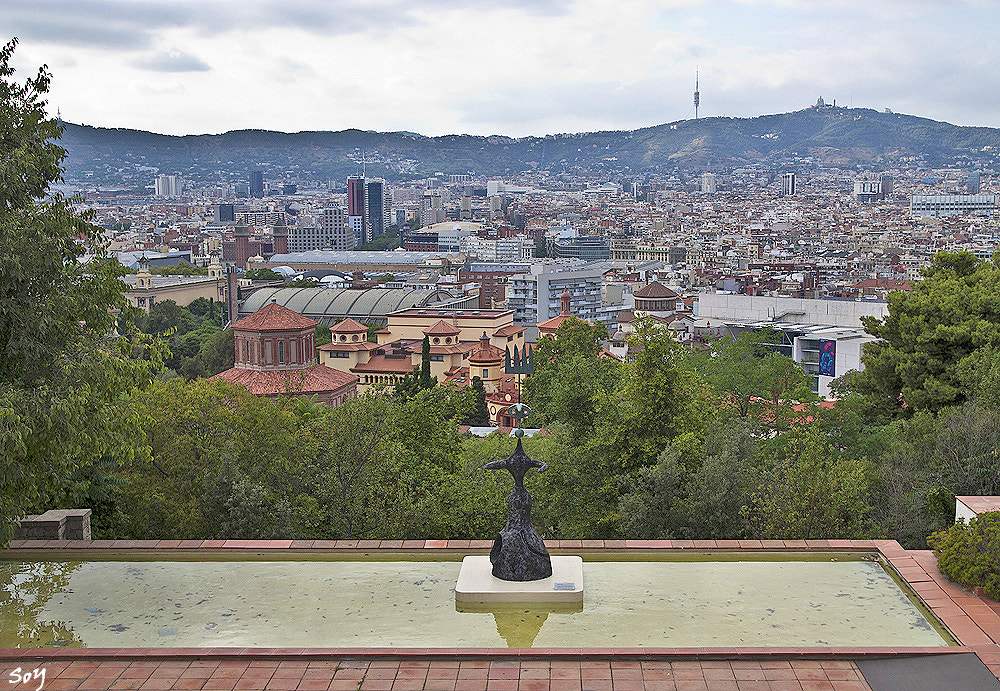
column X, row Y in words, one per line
column 790, row 310
column 55, row 524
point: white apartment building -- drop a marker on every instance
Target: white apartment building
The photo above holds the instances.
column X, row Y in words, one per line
column 535, row 296
column 328, row 230
column 168, row 186
column 709, row 183
column 938, row 205
column 497, row 250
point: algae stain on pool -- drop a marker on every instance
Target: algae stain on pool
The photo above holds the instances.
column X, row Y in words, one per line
column 411, row 604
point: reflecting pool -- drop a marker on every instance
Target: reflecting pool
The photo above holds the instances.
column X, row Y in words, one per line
column 412, row 604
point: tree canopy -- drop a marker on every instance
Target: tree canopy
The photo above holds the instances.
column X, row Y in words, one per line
column 940, row 342
column 66, row 358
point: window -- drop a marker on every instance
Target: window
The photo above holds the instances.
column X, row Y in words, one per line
column 281, row 351
column 248, row 350
column 486, row 374
column 437, row 358
column 337, row 353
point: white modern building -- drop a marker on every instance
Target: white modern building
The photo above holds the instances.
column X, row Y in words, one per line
column 168, row 186
column 496, row 250
column 327, row 230
column 938, row 205
column 844, row 313
column 535, row 296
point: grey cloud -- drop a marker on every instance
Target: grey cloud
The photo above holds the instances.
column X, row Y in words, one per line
column 130, row 25
column 172, row 61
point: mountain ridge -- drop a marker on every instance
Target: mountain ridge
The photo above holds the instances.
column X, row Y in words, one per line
column 833, row 136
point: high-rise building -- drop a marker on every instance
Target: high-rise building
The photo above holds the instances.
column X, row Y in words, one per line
column 257, row 184
column 375, row 207
column 788, row 184
column 432, row 209
column 356, row 209
column 872, row 190
column 223, row 213
column 709, row 183
column 327, row 230
column 168, row 186
column 972, row 185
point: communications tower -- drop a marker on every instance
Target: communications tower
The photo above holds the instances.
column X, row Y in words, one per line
column 697, row 94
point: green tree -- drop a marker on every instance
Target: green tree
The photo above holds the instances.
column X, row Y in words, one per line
column 811, row 492
column 167, row 316
column 698, row 488
column 570, row 377
column 264, row 274
column 752, row 379
column 480, row 415
column 939, row 342
column 412, row 384
column 221, row 458
column 65, row 359
column 323, row 335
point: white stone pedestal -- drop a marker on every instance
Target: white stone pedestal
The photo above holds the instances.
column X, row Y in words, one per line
column 477, row 584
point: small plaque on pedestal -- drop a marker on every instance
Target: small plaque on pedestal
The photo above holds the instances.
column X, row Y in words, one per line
column 477, row 584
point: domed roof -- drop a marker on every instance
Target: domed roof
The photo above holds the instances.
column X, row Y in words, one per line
column 485, row 353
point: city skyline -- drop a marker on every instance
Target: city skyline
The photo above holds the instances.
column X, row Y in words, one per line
column 515, row 68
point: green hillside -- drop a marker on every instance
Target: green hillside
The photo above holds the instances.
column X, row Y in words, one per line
column 832, row 136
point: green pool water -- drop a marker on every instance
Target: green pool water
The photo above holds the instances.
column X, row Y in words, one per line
column 411, row 604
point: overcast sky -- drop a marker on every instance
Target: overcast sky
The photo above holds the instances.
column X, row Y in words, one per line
column 513, row 67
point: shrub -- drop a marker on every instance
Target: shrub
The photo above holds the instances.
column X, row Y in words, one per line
column 969, row 554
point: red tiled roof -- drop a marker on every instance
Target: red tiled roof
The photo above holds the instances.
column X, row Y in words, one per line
column 380, row 364
column 509, row 330
column 349, row 326
column 273, row 317
column 485, row 352
column 549, row 326
column 345, row 347
column 442, row 328
column 655, row 290
column 314, row 379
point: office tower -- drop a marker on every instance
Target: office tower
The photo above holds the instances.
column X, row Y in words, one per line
column 972, row 185
column 257, row 184
column 788, row 184
column 168, row 186
column 885, row 186
column 708, row 183
column 334, row 230
column 223, row 213
column 356, row 208
column 375, row 207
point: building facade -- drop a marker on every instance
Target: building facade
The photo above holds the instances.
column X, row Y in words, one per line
column 535, row 296
column 276, row 356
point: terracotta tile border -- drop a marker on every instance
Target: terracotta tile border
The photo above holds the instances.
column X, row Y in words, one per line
column 973, row 620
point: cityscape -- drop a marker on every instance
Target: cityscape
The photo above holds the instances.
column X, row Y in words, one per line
column 555, row 346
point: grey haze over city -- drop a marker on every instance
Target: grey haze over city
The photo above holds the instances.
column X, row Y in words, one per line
column 512, row 67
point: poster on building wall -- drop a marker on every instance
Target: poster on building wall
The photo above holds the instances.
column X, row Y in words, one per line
column 828, row 358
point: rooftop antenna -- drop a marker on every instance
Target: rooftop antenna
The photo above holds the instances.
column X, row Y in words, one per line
column 697, row 94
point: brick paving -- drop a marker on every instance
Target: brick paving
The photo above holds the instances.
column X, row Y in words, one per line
column 973, row 620
column 453, row 675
